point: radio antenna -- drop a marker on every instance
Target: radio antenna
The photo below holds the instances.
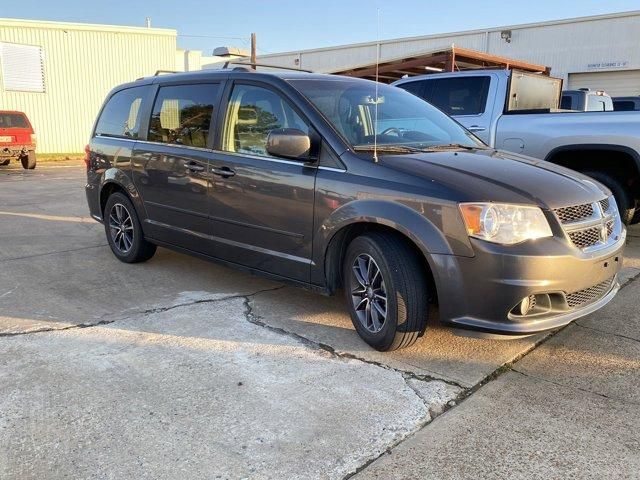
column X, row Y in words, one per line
column 377, row 100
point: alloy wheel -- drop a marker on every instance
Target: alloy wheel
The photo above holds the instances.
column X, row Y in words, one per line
column 368, row 293
column 121, row 228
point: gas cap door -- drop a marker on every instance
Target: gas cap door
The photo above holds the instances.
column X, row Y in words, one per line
column 513, row 145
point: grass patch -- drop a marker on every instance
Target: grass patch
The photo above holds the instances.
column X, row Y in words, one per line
column 59, row 157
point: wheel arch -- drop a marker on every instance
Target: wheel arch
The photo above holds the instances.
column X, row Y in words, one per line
column 418, row 232
column 585, row 157
column 116, row 180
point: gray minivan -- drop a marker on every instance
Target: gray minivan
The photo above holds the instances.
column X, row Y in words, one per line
column 337, row 183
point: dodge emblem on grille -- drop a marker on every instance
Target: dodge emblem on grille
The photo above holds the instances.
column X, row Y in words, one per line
column 603, row 234
column 603, row 225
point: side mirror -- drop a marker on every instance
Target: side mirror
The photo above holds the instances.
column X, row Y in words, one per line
column 288, row 143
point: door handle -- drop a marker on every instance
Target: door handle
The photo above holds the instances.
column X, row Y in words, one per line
column 476, row 128
column 194, row 167
column 224, row 172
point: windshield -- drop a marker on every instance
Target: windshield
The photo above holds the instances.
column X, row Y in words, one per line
column 403, row 120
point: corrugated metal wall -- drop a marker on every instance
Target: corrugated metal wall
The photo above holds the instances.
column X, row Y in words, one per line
column 81, row 64
column 567, row 46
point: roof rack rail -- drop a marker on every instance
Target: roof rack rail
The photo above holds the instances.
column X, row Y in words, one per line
column 159, row 72
column 266, row 65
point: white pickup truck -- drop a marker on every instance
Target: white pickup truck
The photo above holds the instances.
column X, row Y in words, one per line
column 518, row 111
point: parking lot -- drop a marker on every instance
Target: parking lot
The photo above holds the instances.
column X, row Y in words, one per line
column 183, row 367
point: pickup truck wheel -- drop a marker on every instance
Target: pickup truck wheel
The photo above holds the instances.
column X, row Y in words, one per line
column 386, row 291
column 5, row 162
column 626, row 204
column 636, row 215
column 124, row 232
column 29, row 160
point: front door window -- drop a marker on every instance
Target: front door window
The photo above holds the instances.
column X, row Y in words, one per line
column 252, row 114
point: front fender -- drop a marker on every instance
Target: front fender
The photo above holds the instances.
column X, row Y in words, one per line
column 417, row 227
column 425, row 230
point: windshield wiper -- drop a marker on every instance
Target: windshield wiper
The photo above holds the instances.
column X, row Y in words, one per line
column 450, row 146
column 386, row 148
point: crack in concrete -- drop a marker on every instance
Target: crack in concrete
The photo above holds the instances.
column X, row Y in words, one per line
column 132, row 314
column 431, row 412
column 53, row 253
column 573, row 387
column 607, row 333
column 56, row 329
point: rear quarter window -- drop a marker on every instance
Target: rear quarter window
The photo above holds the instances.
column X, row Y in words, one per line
column 120, row 117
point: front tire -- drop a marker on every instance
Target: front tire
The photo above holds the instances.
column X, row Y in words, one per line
column 626, row 204
column 386, row 291
column 124, row 232
column 29, row 160
column 4, row 162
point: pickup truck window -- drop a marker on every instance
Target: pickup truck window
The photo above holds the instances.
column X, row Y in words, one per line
column 402, row 118
column 458, row 96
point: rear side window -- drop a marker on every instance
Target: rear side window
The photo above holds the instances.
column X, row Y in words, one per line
column 13, row 120
column 121, row 115
column 566, row 103
column 182, row 114
column 623, row 105
column 459, row 96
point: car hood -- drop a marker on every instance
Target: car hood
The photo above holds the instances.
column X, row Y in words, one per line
column 495, row 176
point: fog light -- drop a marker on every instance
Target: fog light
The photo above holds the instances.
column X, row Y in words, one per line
column 527, row 304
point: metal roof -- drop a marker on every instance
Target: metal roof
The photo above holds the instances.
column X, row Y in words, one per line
column 42, row 24
column 449, row 60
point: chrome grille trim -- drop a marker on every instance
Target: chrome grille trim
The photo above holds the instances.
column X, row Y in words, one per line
column 591, row 226
column 589, row 295
column 575, row 213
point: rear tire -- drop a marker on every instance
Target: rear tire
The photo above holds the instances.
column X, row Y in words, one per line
column 378, row 265
column 29, row 160
column 124, row 232
column 5, row 162
column 626, row 204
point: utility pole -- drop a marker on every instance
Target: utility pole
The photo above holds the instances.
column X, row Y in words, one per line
column 253, row 51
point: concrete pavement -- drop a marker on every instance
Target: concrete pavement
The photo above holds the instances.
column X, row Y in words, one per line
column 569, row 409
column 188, row 368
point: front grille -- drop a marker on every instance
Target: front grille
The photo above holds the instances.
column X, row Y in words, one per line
column 590, row 224
column 575, row 213
column 585, row 238
column 589, row 295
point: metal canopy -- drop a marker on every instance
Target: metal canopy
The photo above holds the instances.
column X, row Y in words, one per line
column 449, row 60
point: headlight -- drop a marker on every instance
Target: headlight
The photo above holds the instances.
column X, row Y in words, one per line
column 504, row 223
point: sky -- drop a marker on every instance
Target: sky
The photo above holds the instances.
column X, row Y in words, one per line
column 288, row 25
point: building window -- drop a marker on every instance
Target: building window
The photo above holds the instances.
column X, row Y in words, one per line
column 22, row 67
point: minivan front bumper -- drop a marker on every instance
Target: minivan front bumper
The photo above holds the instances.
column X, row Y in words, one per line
column 485, row 292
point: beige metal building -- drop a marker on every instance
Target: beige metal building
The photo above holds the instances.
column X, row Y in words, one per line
column 59, row 73
column 598, row 52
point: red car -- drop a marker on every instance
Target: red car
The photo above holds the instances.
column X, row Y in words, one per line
column 17, row 139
